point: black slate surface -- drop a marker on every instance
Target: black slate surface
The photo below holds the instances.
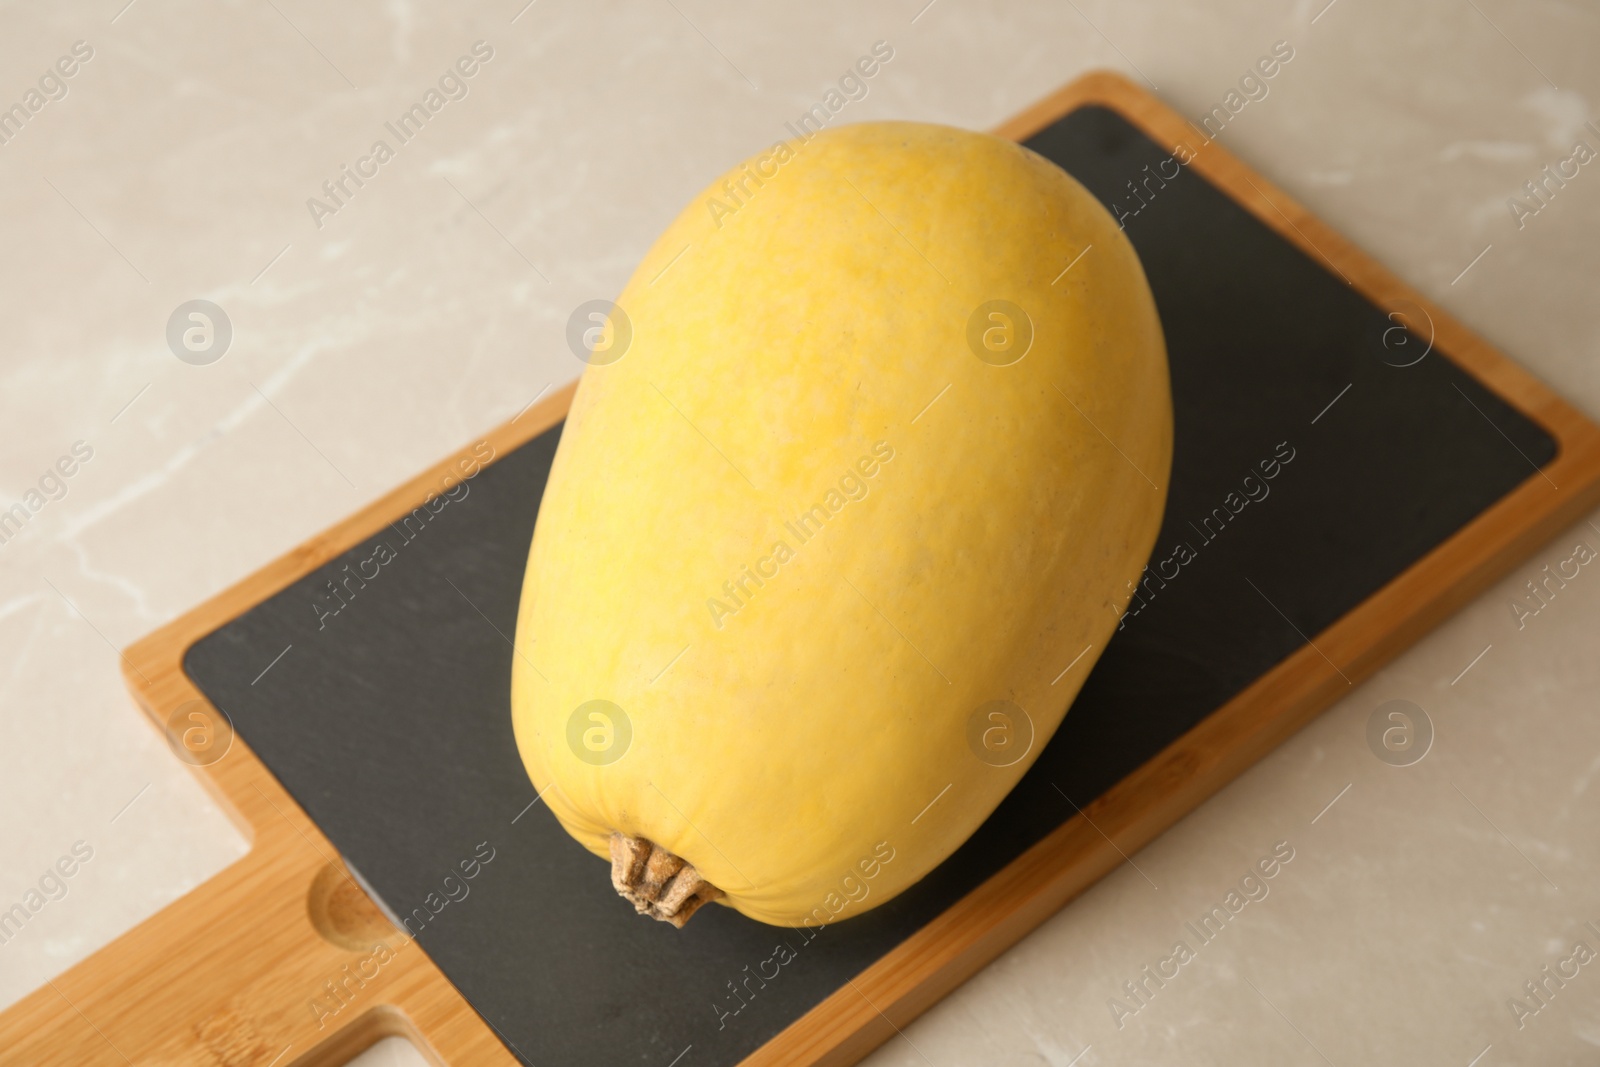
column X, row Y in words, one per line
column 390, row 724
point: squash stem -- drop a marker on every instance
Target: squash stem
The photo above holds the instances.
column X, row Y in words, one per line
column 656, row 882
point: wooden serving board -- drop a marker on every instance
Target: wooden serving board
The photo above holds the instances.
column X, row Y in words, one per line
column 368, row 753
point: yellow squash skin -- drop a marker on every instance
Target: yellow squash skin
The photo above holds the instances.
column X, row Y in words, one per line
column 806, row 744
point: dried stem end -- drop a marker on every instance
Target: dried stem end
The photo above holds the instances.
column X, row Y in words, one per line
column 656, row 882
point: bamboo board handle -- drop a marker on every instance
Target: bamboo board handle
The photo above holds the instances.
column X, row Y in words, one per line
column 280, row 960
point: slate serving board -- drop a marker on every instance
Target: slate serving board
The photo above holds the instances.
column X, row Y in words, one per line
column 389, row 722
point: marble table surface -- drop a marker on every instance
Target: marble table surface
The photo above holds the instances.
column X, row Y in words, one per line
column 176, row 161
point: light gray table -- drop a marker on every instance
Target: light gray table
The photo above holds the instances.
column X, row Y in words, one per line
column 368, row 342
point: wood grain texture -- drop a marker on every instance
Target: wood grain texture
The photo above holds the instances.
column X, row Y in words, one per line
column 232, row 973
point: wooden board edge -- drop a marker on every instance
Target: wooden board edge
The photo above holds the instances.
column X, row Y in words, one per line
column 1287, row 217
column 980, row 927
column 854, row 1020
column 155, row 649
